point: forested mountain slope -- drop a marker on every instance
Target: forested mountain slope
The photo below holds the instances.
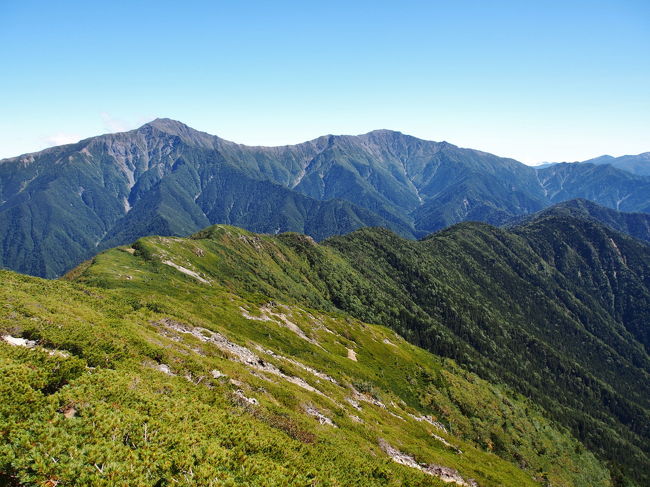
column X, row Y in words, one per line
column 556, row 308
column 62, row 205
column 162, row 369
column 634, row 224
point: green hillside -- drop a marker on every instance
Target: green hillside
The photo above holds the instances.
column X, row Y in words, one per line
column 223, row 360
column 244, row 358
column 170, row 380
column 634, row 224
column 557, row 309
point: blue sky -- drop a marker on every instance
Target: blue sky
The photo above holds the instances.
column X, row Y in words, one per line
column 537, row 81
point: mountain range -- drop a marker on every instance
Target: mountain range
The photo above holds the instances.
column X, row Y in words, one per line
column 244, row 359
column 408, row 313
column 62, row 205
column 636, row 164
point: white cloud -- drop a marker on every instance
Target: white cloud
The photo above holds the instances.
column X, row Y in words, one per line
column 60, row 139
column 113, row 124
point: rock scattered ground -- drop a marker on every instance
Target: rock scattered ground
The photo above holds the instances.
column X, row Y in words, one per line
column 32, row 344
column 267, row 313
column 237, row 352
column 446, row 474
column 184, row 270
column 322, row 419
column 257, row 364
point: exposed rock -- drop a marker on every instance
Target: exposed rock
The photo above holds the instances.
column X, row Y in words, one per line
column 248, row 316
column 394, row 415
column 311, row 370
column 352, row 355
column 250, row 400
column 164, row 369
column 431, row 421
column 446, row 474
column 322, row 419
column 32, row 344
column 359, row 396
column 186, row 271
column 19, row 342
column 268, row 314
column 446, row 443
column 353, row 403
column 253, row 240
column 237, row 352
column 68, row 411
column 217, row 374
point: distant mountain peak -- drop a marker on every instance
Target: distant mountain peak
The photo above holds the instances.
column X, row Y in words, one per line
column 175, row 128
column 603, row 158
column 384, row 132
column 168, row 125
column 387, row 136
column 634, row 163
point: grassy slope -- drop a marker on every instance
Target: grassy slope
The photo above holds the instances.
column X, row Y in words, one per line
column 573, row 333
column 135, row 425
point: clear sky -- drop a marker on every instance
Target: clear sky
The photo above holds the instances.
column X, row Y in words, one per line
column 534, row 80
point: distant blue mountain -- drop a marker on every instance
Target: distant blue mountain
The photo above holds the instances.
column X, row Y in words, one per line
column 62, row 205
column 638, row 164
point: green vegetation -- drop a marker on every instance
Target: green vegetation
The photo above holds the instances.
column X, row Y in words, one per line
column 556, row 309
column 62, row 205
column 635, row 224
column 140, row 372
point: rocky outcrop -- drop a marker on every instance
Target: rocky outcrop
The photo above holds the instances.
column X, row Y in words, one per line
column 446, row 474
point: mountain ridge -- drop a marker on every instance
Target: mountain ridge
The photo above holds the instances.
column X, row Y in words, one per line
column 566, row 297
column 633, row 224
column 167, row 178
column 638, row 164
